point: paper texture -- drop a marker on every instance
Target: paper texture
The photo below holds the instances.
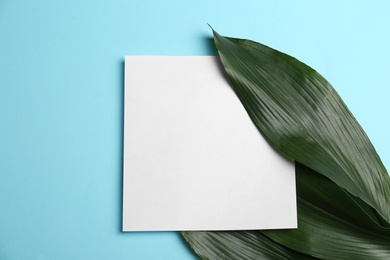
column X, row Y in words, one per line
column 193, row 160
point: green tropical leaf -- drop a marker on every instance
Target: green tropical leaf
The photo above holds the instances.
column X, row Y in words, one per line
column 304, row 118
column 238, row 245
column 343, row 188
column 331, row 224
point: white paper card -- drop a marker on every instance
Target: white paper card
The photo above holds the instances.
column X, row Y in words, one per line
column 193, row 160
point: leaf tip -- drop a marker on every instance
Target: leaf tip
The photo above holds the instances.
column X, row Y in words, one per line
column 211, row 27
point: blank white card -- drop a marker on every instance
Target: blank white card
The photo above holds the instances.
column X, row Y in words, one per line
column 193, row 160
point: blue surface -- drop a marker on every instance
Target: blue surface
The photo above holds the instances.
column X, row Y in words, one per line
column 61, row 103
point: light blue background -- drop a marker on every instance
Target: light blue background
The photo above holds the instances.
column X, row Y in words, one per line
column 61, row 103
